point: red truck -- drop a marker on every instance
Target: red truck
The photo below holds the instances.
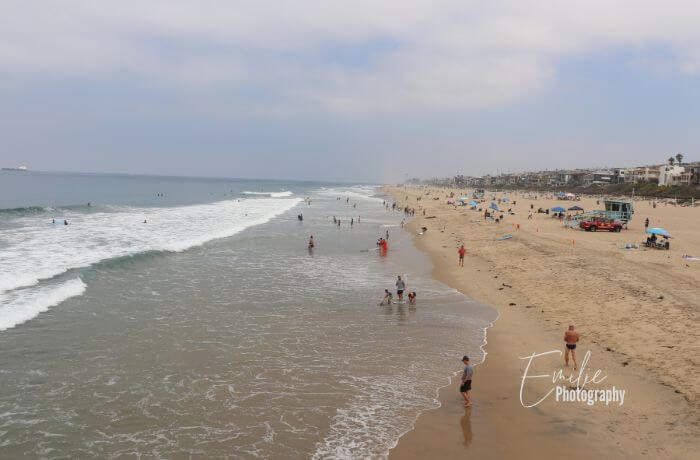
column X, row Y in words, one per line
column 601, row 223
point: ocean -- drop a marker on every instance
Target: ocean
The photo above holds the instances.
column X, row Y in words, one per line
column 186, row 318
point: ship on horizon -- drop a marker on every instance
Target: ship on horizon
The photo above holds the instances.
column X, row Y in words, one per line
column 18, row 168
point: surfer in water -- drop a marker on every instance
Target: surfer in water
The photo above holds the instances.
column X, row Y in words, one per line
column 311, row 243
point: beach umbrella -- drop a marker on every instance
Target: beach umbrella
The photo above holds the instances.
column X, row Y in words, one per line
column 474, row 203
column 576, row 208
column 494, row 206
column 659, row 231
column 558, row 209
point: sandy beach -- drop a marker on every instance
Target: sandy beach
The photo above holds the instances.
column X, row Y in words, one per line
column 636, row 309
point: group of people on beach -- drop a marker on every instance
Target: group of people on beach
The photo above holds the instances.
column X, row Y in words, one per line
column 400, row 288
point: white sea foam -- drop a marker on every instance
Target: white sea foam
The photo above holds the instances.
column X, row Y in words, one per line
column 354, row 192
column 34, row 250
column 20, row 306
column 270, row 194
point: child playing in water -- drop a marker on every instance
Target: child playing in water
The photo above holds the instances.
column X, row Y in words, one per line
column 387, row 298
column 412, row 298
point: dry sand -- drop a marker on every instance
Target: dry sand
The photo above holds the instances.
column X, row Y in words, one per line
column 637, row 311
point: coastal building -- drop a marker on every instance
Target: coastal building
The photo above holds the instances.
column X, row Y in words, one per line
column 599, row 178
column 694, row 169
column 643, row 174
column 670, row 175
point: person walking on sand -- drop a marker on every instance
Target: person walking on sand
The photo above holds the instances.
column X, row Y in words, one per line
column 646, row 223
column 571, row 337
column 466, row 384
column 400, row 287
column 461, row 253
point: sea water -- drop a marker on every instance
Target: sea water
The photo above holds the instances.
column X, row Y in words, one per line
column 185, row 317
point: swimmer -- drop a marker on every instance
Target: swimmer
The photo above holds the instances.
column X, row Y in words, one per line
column 311, row 243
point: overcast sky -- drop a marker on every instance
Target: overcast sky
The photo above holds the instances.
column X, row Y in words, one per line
column 347, row 90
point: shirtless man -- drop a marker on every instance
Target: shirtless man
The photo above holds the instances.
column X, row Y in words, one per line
column 571, row 336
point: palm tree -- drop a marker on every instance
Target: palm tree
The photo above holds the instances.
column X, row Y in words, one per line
column 679, row 159
column 671, row 160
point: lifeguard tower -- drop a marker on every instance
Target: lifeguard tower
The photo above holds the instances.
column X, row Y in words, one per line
column 618, row 210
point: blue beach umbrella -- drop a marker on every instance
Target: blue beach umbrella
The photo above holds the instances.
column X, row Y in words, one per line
column 494, row 206
column 658, row 231
column 558, row 209
column 474, row 203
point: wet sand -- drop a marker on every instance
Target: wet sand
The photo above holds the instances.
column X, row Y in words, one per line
column 636, row 310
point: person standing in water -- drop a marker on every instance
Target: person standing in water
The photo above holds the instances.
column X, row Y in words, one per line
column 387, row 235
column 400, row 287
column 311, row 243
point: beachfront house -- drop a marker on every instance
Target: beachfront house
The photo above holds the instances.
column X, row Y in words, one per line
column 599, row 178
column 672, row 175
column 642, row 174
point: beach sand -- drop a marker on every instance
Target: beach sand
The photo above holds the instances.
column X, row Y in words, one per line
column 637, row 311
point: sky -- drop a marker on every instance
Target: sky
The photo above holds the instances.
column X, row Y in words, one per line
column 347, row 90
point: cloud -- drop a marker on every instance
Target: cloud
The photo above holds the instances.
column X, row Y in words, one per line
column 350, row 57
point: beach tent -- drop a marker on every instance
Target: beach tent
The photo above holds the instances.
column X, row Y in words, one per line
column 576, row 208
column 494, row 206
column 505, row 200
column 558, row 209
column 473, row 204
column 659, row 231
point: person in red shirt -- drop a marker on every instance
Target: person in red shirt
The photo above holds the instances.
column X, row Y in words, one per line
column 461, row 252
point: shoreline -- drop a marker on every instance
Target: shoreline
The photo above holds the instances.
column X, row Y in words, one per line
column 656, row 420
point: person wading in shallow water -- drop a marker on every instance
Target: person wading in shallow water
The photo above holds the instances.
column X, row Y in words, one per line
column 571, row 336
column 400, row 287
column 466, row 386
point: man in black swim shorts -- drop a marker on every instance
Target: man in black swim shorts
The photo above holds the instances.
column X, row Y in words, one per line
column 571, row 336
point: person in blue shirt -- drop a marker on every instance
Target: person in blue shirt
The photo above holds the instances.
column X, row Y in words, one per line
column 466, row 385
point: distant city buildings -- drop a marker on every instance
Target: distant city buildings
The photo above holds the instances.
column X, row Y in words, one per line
column 672, row 173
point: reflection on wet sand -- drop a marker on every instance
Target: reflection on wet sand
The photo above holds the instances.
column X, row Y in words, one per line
column 466, row 423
